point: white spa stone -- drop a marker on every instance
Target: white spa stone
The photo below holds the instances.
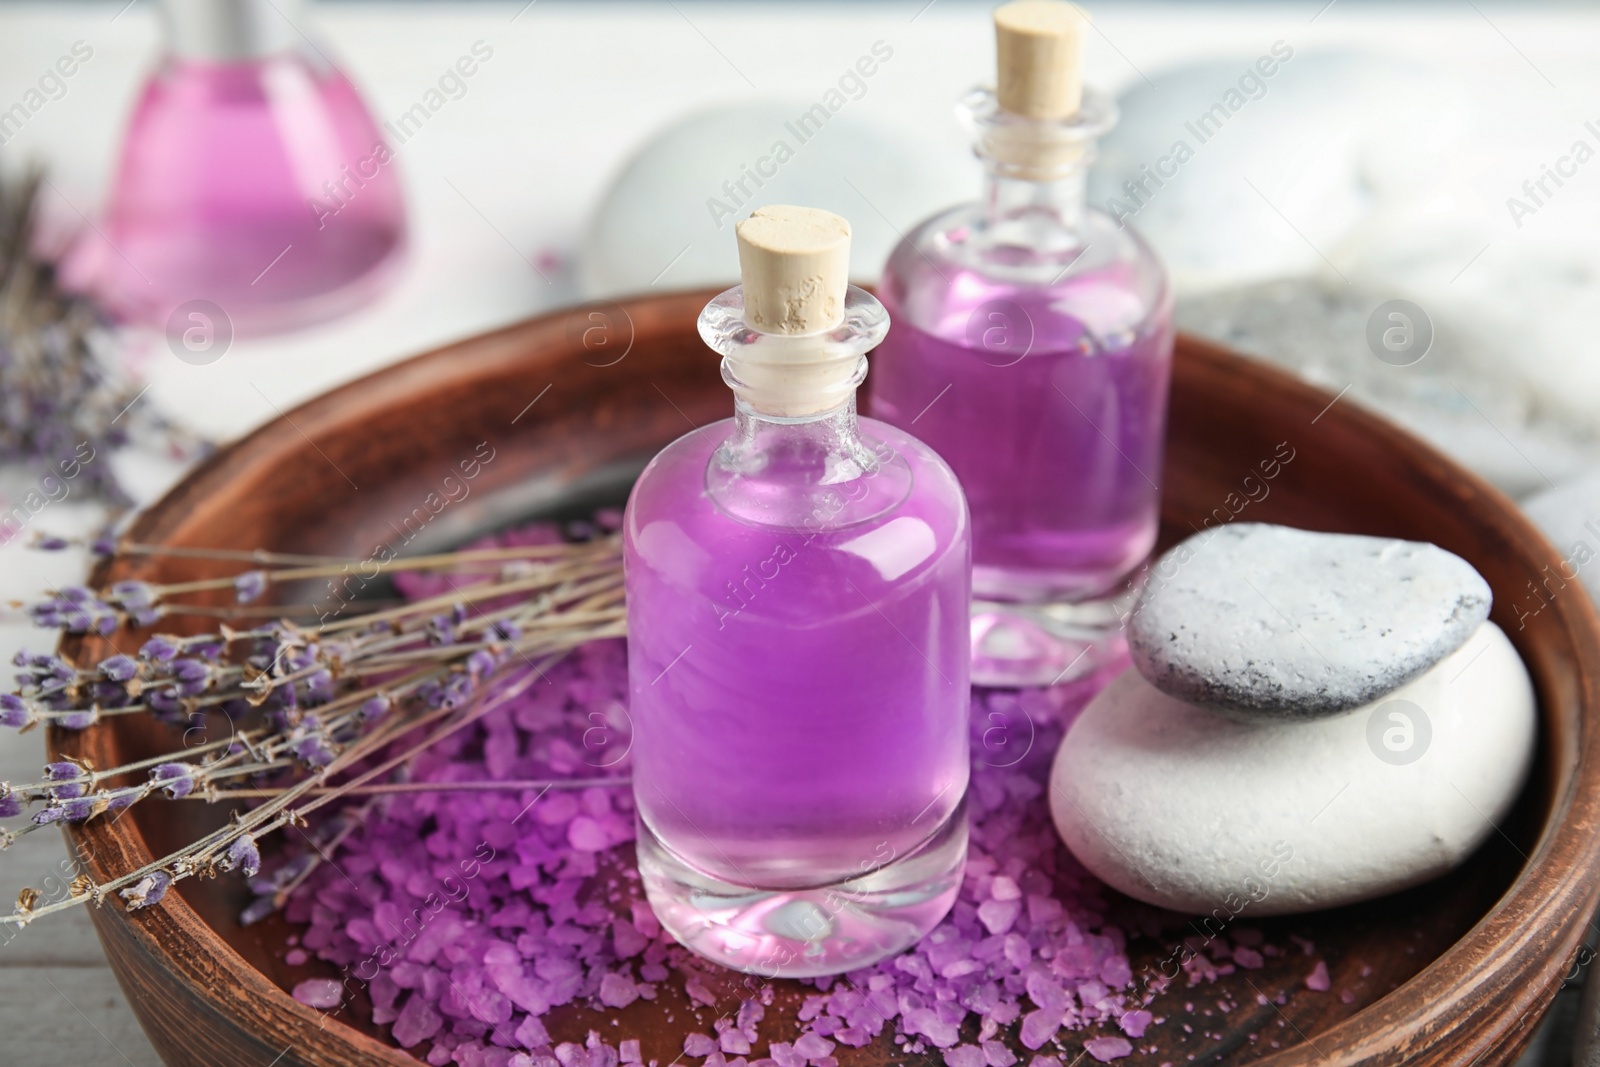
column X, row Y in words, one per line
column 666, row 220
column 1270, row 622
column 1185, row 809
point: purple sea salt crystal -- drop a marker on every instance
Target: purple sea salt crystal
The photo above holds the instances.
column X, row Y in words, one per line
column 1106, row 1049
column 249, row 586
column 995, row 1054
column 813, row 1047
column 14, row 711
column 176, row 778
column 147, row 891
column 322, row 993
column 964, row 1056
column 1134, row 1023
column 119, row 668
column 416, row 1022
column 696, row 1044
column 618, row 991
column 1040, row 1026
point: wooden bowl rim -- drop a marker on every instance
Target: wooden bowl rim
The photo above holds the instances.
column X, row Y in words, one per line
column 1567, row 847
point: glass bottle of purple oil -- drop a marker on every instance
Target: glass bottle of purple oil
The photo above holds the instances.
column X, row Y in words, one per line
column 1031, row 349
column 798, row 589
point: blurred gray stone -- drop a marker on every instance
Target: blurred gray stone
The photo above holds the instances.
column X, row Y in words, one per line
column 1463, row 396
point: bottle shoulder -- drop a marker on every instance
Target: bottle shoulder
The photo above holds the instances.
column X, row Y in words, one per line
column 673, row 525
column 945, row 275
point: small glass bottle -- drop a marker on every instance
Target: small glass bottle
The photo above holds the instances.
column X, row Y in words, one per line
column 798, row 588
column 251, row 176
column 1032, row 348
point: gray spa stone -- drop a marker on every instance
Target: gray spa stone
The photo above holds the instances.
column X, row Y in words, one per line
column 1266, row 622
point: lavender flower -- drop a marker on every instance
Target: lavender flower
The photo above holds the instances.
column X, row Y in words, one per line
column 78, row 720
column 318, row 688
column 14, row 711
column 10, row 803
column 78, row 809
column 147, row 891
column 159, row 649
column 249, row 586
column 73, row 779
column 375, row 708
column 481, row 663
column 119, row 668
column 50, row 542
column 132, row 595
column 46, row 816
column 176, row 778
column 242, row 855
column 258, row 909
column 193, row 676
column 104, row 546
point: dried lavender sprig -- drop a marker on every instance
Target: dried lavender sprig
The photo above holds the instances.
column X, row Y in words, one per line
column 325, row 735
column 54, row 680
column 64, row 406
column 204, row 855
column 508, row 785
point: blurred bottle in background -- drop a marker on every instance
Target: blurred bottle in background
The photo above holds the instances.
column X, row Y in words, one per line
column 251, row 176
column 1032, row 347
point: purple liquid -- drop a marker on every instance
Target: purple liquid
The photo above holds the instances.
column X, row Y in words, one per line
column 799, row 695
column 1049, row 402
column 263, row 187
column 799, row 708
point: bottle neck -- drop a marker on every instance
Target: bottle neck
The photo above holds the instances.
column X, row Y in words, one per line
column 812, row 475
column 1045, row 215
column 814, row 449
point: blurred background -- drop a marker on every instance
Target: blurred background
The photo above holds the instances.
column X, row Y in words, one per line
column 455, row 167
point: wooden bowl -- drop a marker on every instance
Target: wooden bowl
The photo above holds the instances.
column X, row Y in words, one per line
column 573, row 403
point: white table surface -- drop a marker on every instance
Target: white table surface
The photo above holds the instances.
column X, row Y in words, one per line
column 571, row 89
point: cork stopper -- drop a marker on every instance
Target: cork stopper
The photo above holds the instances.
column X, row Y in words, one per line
column 794, row 263
column 1040, row 52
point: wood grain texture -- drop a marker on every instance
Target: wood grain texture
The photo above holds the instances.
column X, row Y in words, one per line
column 1453, row 972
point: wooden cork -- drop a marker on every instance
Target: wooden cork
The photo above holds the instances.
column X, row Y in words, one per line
column 794, row 263
column 1040, row 51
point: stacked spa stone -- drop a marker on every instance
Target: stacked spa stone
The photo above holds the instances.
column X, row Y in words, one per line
column 1314, row 719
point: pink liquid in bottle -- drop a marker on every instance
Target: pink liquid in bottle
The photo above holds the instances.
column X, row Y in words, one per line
column 251, row 176
column 798, row 594
column 1032, row 349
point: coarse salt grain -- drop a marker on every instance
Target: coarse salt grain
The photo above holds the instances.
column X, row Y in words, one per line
column 318, row 993
column 1106, row 1049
